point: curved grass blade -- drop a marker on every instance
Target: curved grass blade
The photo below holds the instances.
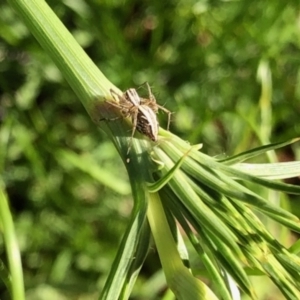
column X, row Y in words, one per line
column 255, row 152
column 156, row 186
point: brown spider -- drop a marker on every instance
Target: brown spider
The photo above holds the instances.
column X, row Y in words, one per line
column 141, row 110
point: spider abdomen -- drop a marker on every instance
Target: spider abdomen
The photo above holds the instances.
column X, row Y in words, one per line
column 147, row 122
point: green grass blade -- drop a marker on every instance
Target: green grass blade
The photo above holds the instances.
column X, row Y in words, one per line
column 12, row 249
column 137, row 261
column 255, row 152
column 295, row 248
column 156, row 186
column 206, row 258
column 210, row 173
column 180, row 280
column 232, row 189
column 125, row 268
column 270, row 171
column 283, row 187
column 201, row 211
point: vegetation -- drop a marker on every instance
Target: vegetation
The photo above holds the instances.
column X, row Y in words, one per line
column 230, row 74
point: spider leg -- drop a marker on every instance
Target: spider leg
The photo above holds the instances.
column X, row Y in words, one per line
column 115, row 94
column 112, row 119
column 151, row 96
column 122, row 106
column 169, row 113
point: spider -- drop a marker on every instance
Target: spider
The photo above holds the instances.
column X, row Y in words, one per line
column 141, row 110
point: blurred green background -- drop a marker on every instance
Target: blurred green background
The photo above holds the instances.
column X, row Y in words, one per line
column 68, row 189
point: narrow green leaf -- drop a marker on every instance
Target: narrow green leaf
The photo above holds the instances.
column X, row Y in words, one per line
column 180, row 280
column 156, row 186
column 137, row 261
column 270, row 171
column 292, row 224
column 232, row 189
column 12, row 249
column 284, row 187
column 280, row 278
column 291, row 263
column 122, row 273
column 230, row 262
column 295, row 248
column 215, row 273
column 255, row 152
